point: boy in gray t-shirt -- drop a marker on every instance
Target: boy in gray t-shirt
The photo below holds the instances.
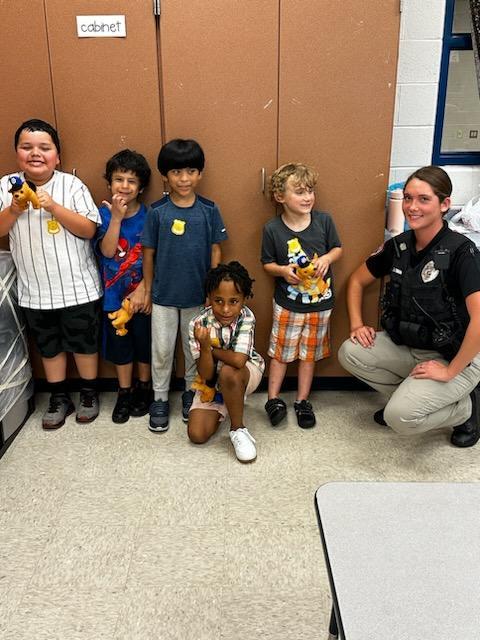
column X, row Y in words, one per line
column 298, row 248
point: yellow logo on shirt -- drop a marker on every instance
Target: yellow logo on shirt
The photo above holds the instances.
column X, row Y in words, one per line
column 178, row 227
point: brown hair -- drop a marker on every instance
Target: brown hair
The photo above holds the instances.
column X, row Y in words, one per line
column 436, row 177
column 303, row 175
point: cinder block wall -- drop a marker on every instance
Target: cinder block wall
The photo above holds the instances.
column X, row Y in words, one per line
column 420, row 49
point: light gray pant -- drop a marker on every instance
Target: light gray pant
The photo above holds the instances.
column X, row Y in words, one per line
column 415, row 405
column 165, row 323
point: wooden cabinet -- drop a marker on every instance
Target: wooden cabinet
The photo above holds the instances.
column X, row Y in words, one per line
column 261, row 84
column 257, row 83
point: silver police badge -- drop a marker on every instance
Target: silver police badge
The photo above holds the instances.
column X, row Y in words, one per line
column 429, row 272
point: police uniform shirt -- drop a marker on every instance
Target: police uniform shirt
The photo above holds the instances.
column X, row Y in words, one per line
column 462, row 277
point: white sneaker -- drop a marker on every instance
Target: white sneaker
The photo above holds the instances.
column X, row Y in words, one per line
column 244, row 445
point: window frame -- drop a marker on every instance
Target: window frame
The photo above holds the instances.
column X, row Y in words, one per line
column 451, row 42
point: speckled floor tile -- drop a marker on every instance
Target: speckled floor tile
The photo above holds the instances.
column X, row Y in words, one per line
column 117, row 533
column 103, row 500
column 85, row 556
column 170, row 613
column 65, row 614
column 177, row 556
column 264, row 557
column 277, row 614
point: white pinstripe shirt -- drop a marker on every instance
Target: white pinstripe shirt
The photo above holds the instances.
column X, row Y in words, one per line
column 54, row 270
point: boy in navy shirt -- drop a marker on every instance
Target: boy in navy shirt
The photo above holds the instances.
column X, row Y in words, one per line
column 180, row 243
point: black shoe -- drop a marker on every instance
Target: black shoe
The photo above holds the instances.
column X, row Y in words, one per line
column 276, row 410
column 305, row 415
column 378, row 417
column 468, row 433
column 187, row 399
column 141, row 399
column 121, row 410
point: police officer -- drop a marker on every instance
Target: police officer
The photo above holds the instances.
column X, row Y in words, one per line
column 427, row 359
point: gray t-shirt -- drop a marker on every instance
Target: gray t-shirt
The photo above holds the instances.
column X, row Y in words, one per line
column 283, row 246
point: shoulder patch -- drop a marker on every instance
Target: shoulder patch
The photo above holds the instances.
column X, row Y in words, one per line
column 206, row 201
column 159, row 203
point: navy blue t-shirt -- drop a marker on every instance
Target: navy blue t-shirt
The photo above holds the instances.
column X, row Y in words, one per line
column 182, row 238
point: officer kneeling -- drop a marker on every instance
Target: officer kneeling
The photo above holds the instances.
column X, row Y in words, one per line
column 427, row 359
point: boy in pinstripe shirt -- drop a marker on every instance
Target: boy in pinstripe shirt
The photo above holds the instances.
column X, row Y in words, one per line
column 58, row 281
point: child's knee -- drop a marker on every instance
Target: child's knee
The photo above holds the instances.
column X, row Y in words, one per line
column 197, row 434
column 230, row 377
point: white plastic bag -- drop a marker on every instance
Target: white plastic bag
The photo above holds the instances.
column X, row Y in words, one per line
column 468, row 217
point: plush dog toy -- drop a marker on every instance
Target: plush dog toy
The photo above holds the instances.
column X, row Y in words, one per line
column 121, row 316
column 23, row 192
column 207, row 393
column 306, row 272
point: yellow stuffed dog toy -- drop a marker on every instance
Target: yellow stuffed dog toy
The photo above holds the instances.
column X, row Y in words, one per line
column 121, row 316
column 23, row 192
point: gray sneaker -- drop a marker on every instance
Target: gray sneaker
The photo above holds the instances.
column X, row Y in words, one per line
column 59, row 407
column 88, row 407
column 159, row 410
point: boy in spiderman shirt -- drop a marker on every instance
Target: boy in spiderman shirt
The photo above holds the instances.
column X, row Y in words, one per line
column 120, row 252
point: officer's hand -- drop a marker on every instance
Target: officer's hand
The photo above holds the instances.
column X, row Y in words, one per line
column 431, row 370
column 364, row 336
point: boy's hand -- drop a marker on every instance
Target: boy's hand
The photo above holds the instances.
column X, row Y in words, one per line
column 147, row 303
column 137, row 299
column 16, row 209
column 289, row 274
column 118, row 206
column 202, row 334
column 322, row 265
column 45, row 200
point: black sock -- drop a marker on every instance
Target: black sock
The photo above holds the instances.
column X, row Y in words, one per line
column 123, row 390
column 56, row 388
column 90, row 386
column 142, row 384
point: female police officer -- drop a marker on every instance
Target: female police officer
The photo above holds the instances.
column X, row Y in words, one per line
column 427, row 358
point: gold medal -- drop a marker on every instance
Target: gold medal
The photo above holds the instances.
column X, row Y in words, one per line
column 53, row 226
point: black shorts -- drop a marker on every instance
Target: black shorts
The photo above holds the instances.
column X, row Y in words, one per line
column 73, row 329
column 135, row 346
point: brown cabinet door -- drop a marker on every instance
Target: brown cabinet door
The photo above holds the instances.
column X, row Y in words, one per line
column 338, row 65
column 27, row 89
column 106, row 89
column 220, row 86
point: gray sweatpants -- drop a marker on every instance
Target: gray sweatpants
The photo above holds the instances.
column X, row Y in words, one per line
column 414, row 405
column 165, row 324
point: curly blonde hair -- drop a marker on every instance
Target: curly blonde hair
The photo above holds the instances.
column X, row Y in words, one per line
column 302, row 174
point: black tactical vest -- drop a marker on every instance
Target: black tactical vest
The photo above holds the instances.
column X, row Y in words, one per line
column 417, row 308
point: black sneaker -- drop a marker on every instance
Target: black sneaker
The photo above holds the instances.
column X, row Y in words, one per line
column 305, row 415
column 59, row 407
column 276, row 410
column 121, row 410
column 379, row 419
column 468, row 433
column 187, row 399
column 141, row 399
column 88, row 407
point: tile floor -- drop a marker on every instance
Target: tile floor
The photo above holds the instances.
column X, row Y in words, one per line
column 111, row 532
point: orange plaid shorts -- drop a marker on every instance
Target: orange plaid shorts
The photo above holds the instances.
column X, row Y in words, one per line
column 299, row 336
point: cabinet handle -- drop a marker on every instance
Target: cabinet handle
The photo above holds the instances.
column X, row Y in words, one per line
column 263, row 178
column 74, row 172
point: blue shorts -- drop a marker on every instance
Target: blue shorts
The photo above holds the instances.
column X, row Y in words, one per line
column 135, row 346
